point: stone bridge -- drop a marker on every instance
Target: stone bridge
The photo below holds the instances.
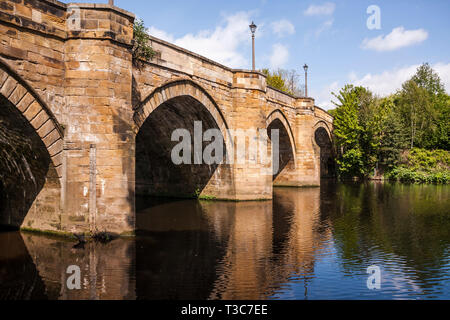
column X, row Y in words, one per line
column 84, row 131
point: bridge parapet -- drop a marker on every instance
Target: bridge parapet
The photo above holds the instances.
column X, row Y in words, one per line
column 75, row 20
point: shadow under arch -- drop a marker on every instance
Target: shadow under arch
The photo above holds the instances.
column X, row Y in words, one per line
column 179, row 105
column 31, row 145
column 287, row 148
column 322, row 137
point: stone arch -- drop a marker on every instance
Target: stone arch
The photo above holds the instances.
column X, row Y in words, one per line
column 178, row 88
column 278, row 114
column 180, row 104
column 30, row 157
column 23, row 97
column 287, row 162
column 325, row 126
column 322, row 138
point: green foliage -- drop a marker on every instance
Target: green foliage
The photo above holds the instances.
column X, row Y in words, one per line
column 412, row 176
column 425, row 77
column 274, row 80
column 423, row 166
column 424, row 108
column 142, row 51
column 372, row 133
column 283, row 80
column 358, row 131
column 351, row 163
column 393, row 137
column 428, row 160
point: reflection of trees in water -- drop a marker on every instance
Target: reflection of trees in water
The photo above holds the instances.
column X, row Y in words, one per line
column 374, row 221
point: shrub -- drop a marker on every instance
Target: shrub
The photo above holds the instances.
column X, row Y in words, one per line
column 141, row 49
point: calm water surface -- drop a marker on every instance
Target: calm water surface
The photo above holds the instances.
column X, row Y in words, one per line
column 305, row 244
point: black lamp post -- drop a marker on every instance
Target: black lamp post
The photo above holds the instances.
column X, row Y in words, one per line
column 305, row 67
column 253, row 30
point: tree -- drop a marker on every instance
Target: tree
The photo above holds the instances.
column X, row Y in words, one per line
column 284, row 80
column 393, row 137
column 291, row 79
column 359, row 131
column 347, row 131
column 425, row 77
column 424, row 107
column 275, row 80
column 414, row 107
column 372, row 133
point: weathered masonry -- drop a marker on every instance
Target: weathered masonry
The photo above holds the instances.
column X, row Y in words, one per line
column 83, row 130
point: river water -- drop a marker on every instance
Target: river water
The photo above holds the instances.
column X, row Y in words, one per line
column 314, row 243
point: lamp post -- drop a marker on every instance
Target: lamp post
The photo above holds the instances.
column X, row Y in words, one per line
column 253, row 30
column 305, row 67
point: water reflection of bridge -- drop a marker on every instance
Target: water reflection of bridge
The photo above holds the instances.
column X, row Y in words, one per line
column 203, row 250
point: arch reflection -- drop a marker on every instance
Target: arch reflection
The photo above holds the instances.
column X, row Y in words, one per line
column 228, row 250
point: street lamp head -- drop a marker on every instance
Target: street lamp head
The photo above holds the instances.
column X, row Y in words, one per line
column 305, row 67
column 253, row 27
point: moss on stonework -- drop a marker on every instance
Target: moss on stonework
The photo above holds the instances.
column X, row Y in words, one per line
column 207, row 198
column 128, row 234
column 236, row 200
column 70, row 236
column 49, row 233
column 298, row 187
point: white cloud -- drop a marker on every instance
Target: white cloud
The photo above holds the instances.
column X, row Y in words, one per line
column 398, row 38
column 382, row 84
column 282, row 28
column 223, row 44
column 161, row 34
column 324, row 97
column 443, row 69
column 325, row 9
column 325, row 26
column 390, row 81
column 386, row 82
column 279, row 57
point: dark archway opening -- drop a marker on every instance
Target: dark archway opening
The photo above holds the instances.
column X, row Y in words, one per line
column 286, row 152
column 156, row 174
column 327, row 160
column 24, row 165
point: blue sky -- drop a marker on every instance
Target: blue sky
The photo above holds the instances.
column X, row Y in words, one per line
column 332, row 37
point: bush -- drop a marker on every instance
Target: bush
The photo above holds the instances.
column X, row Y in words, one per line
column 141, row 49
column 423, row 166
column 428, row 160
